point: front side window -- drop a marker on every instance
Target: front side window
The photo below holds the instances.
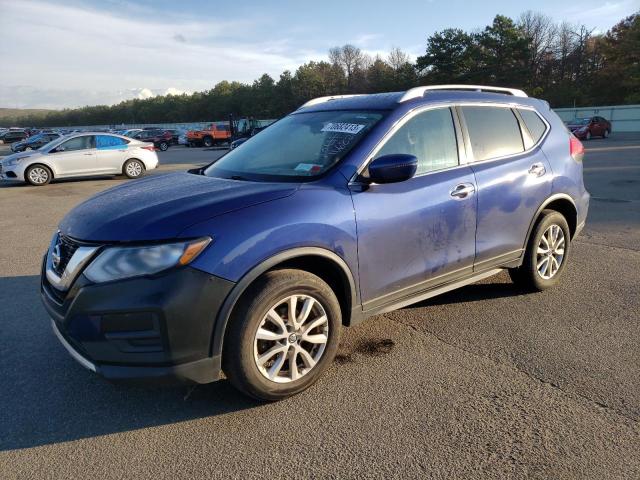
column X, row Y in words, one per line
column 298, row 147
column 77, row 143
column 430, row 136
column 493, row 131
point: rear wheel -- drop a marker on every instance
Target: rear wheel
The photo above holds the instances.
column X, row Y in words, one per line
column 133, row 168
column 207, row 142
column 282, row 335
column 38, row 175
column 588, row 135
column 605, row 134
column 546, row 255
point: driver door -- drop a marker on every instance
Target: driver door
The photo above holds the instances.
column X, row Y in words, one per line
column 419, row 233
column 76, row 156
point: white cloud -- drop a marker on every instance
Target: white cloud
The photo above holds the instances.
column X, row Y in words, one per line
column 67, row 48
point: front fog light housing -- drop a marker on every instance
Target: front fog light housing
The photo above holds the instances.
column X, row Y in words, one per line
column 117, row 263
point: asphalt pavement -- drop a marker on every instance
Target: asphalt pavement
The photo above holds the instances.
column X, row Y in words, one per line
column 483, row 382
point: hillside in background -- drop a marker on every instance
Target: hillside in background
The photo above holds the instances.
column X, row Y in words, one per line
column 11, row 114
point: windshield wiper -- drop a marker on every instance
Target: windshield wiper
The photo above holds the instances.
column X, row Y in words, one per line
column 240, row 177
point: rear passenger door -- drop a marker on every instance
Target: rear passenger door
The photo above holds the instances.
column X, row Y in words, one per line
column 512, row 174
column 111, row 153
column 419, row 233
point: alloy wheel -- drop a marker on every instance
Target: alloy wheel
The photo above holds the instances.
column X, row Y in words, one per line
column 291, row 338
column 550, row 252
column 134, row 169
column 38, row 175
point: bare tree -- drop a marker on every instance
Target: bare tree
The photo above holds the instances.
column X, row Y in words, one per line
column 350, row 58
column 542, row 33
column 397, row 59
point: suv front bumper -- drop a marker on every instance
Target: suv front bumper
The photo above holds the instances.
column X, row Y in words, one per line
column 155, row 328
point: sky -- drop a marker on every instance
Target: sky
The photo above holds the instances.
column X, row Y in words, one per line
column 70, row 53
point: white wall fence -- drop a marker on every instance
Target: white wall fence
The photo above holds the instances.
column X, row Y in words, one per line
column 623, row 118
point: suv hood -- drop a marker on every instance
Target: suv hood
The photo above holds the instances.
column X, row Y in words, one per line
column 160, row 207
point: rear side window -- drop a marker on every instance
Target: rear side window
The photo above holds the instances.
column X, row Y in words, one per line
column 493, row 132
column 105, row 142
column 534, row 124
column 429, row 136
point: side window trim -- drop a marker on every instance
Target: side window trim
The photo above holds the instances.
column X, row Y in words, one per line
column 400, row 123
column 527, row 138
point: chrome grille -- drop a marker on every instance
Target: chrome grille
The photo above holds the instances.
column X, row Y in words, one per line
column 64, row 250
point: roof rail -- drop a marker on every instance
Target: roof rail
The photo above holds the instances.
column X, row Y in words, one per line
column 418, row 92
column 316, row 101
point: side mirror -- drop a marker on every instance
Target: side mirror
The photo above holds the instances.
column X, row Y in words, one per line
column 393, row 168
column 59, row 148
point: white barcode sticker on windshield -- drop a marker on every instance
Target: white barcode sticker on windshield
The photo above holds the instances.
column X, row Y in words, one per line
column 351, row 128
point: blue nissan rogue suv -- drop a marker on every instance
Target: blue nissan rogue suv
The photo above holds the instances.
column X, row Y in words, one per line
column 351, row 206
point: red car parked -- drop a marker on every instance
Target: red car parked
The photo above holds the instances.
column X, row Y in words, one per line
column 585, row 128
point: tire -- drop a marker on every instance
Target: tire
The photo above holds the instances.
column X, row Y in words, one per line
column 588, row 135
column 207, row 142
column 605, row 134
column 133, row 168
column 164, row 146
column 26, row 149
column 38, row 175
column 552, row 225
column 243, row 349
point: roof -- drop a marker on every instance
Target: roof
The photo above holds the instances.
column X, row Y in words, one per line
column 392, row 100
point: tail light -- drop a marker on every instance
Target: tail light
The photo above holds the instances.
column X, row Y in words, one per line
column 151, row 148
column 576, row 149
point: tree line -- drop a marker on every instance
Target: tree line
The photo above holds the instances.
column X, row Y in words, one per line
column 563, row 63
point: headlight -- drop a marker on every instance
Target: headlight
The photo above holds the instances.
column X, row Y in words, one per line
column 116, row 263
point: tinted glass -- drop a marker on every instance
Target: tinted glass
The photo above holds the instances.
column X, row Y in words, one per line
column 534, row 124
column 105, row 142
column 298, row 147
column 78, row 143
column 493, row 132
column 429, row 136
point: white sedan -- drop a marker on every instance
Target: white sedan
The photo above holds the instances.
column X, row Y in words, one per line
column 79, row 155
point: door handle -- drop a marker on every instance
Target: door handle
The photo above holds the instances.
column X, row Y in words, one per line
column 537, row 169
column 463, row 190
column 87, row 153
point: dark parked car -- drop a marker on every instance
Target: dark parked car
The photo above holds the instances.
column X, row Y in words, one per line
column 175, row 134
column 585, row 128
column 162, row 139
column 34, row 142
column 349, row 207
column 12, row 136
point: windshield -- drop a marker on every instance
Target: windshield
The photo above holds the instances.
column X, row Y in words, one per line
column 35, row 138
column 47, row 146
column 298, row 147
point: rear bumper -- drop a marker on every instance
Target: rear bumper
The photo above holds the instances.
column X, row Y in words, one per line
column 156, row 328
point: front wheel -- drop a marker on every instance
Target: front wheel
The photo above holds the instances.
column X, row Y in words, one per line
column 588, row 135
column 605, row 134
column 164, row 146
column 38, row 175
column 546, row 255
column 282, row 335
column 133, row 168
